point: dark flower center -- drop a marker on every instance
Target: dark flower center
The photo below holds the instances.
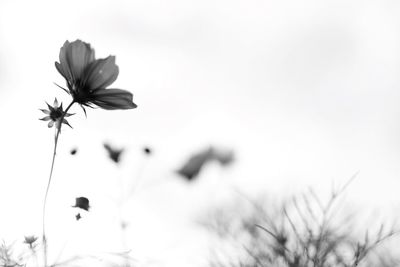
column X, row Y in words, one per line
column 80, row 93
column 56, row 114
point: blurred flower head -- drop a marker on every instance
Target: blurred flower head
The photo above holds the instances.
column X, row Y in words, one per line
column 113, row 153
column 82, row 203
column 195, row 163
column 55, row 114
column 87, row 77
column 30, row 240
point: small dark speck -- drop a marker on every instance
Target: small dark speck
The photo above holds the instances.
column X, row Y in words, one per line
column 78, row 216
column 147, row 150
column 74, row 151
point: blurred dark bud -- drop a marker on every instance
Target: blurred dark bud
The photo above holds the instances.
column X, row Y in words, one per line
column 74, row 151
column 113, row 153
column 147, row 150
column 82, row 203
column 191, row 169
column 78, row 216
column 30, row 240
column 55, row 115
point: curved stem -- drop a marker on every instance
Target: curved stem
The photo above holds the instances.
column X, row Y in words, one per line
column 58, row 130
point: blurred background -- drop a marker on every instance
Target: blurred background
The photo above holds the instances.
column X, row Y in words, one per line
column 302, row 93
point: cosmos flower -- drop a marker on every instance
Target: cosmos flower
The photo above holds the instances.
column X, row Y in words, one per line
column 55, row 114
column 87, row 77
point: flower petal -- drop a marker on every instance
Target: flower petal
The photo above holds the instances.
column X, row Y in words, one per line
column 45, row 111
column 47, row 118
column 101, row 73
column 63, row 66
column 50, row 107
column 74, row 58
column 79, row 55
column 51, row 123
column 113, row 99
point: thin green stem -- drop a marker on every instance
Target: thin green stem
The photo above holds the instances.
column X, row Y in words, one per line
column 58, row 130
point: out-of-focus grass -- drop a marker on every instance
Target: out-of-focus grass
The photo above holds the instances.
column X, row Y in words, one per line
column 301, row 232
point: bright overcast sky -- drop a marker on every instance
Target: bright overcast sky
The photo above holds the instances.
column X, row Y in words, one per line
column 304, row 92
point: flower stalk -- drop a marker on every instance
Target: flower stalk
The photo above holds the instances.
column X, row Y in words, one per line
column 57, row 134
column 87, row 79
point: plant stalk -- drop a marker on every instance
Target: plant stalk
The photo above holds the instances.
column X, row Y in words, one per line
column 57, row 134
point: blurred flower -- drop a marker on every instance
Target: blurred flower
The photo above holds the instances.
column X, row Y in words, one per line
column 192, row 167
column 30, row 240
column 195, row 163
column 113, row 153
column 87, row 77
column 82, row 203
column 55, row 114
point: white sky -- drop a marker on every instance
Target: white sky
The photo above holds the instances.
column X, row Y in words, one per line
column 305, row 92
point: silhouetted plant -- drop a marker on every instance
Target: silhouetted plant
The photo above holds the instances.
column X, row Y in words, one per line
column 87, row 79
column 303, row 232
column 11, row 257
column 7, row 257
